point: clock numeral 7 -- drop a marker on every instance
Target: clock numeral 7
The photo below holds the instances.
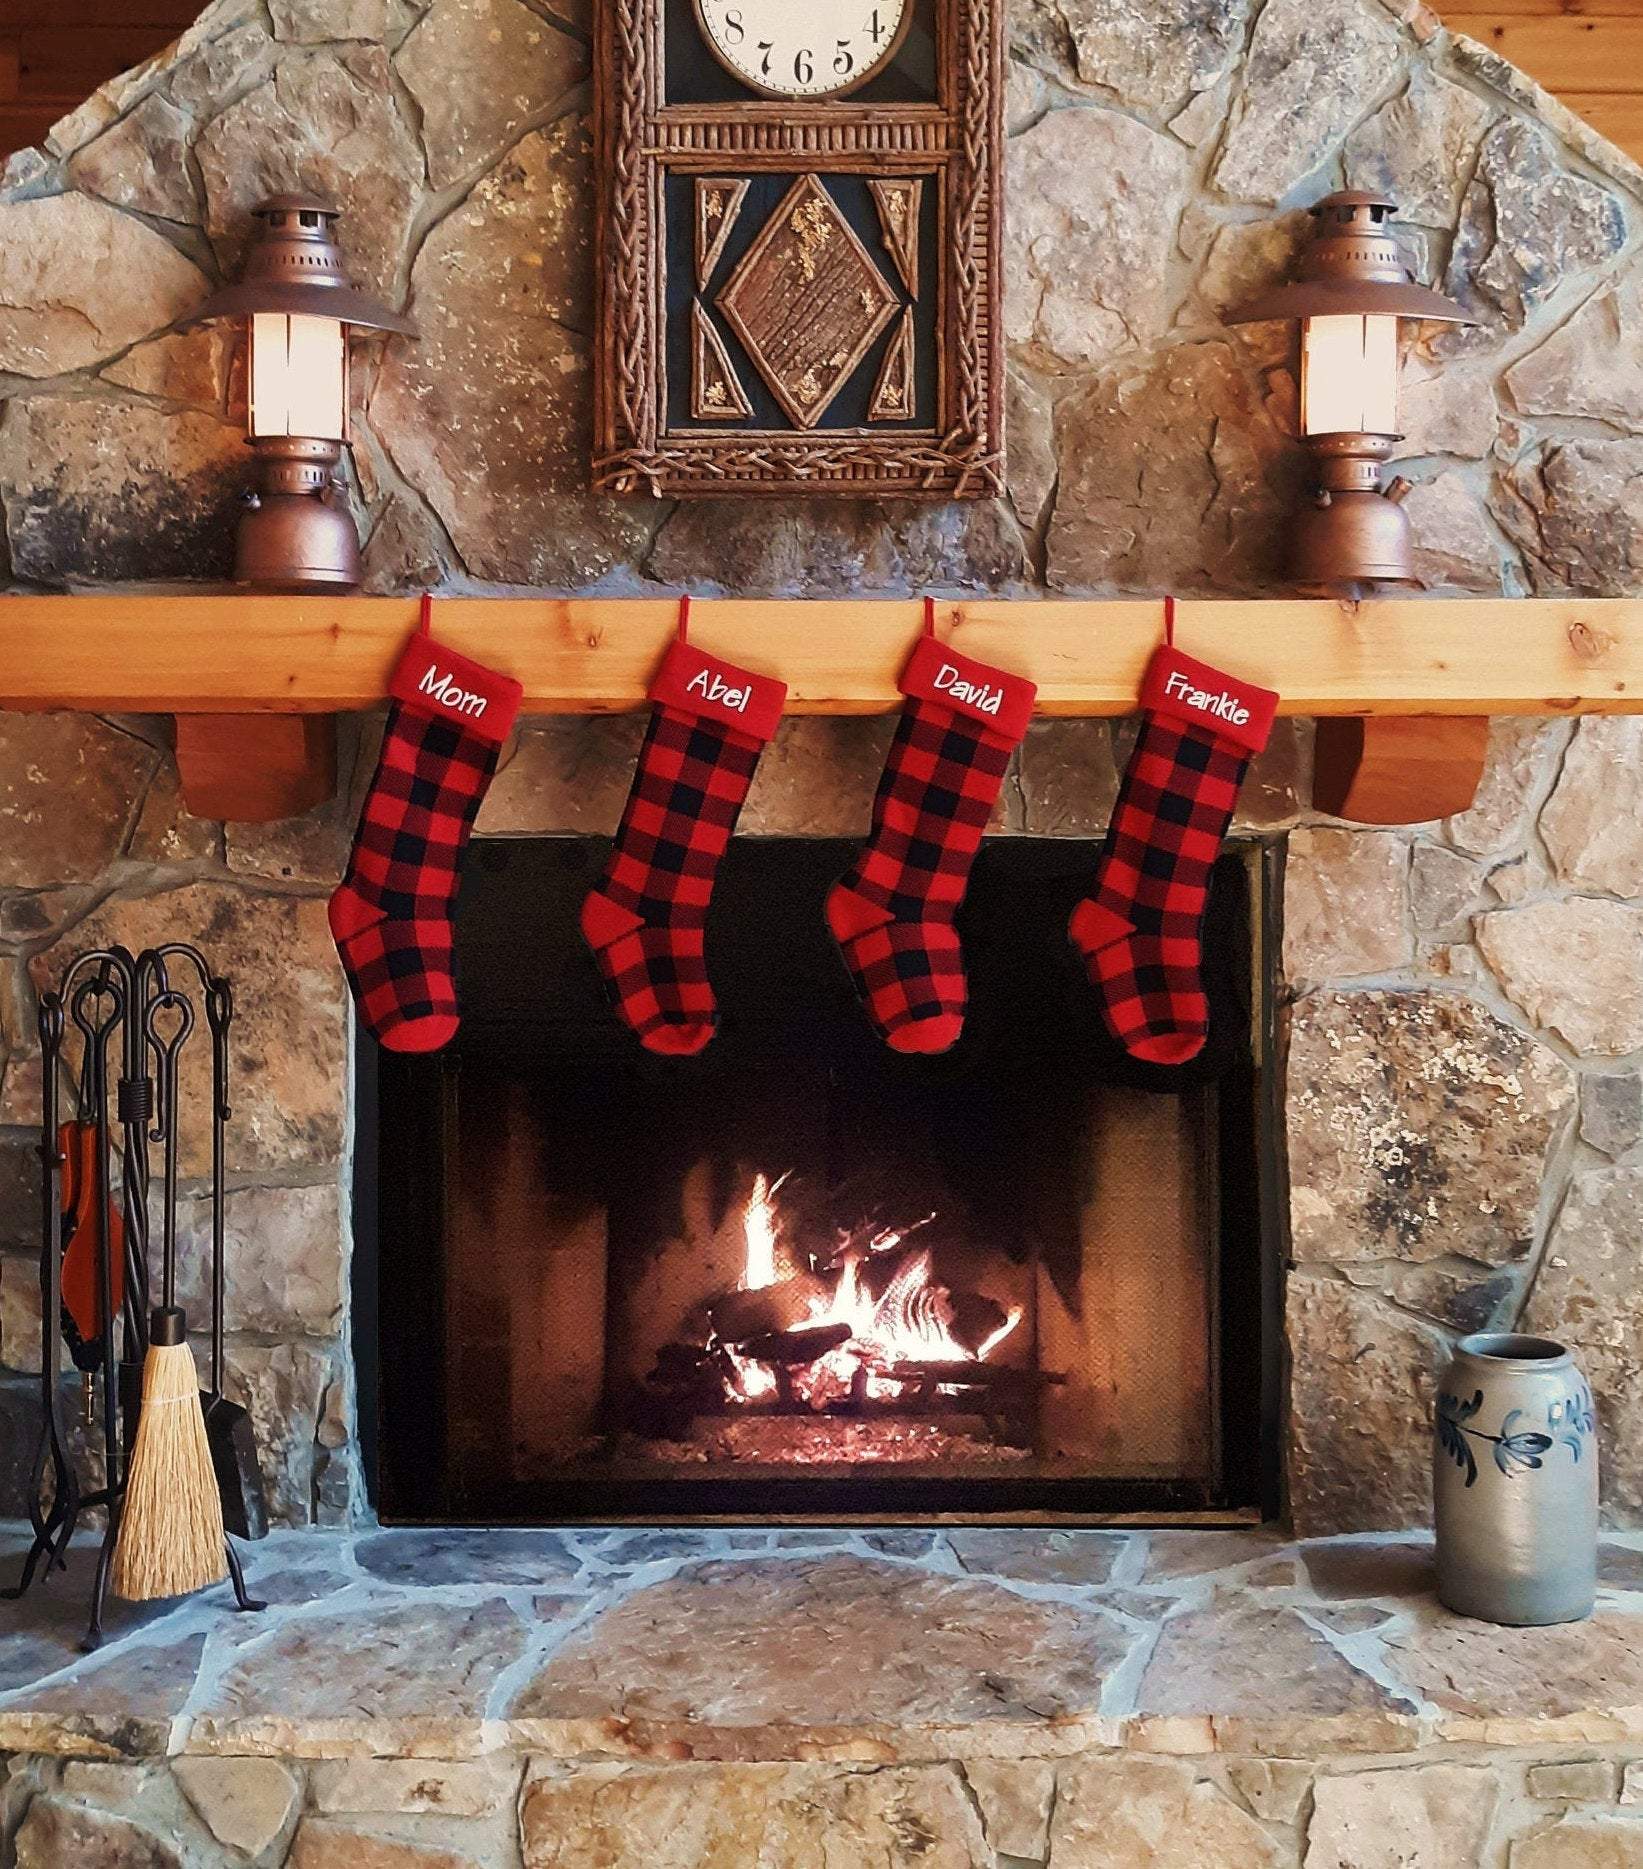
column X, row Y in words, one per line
column 766, row 47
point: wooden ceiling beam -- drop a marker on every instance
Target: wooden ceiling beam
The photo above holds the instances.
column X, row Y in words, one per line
column 237, row 654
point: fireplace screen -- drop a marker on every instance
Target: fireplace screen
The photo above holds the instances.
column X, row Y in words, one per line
column 802, row 1275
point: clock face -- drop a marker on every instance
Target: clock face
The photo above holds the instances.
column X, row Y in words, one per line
column 805, row 48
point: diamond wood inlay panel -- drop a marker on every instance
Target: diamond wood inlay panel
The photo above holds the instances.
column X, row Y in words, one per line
column 807, row 301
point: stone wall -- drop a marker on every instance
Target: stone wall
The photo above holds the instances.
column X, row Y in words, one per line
column 1466, row 1016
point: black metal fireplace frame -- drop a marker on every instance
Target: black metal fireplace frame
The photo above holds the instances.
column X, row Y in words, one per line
column 398, row 1222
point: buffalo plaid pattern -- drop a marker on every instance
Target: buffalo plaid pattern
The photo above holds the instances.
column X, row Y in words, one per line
column 892, row 912
column 1138, row 930
column 646, row 920
column 391, row 917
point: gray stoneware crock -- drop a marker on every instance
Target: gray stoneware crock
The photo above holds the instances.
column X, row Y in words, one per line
column 1514, row 1482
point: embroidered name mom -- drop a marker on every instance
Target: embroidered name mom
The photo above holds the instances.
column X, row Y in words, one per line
column 442, row 689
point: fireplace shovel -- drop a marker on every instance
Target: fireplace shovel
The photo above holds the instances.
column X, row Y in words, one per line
column 227, row 1425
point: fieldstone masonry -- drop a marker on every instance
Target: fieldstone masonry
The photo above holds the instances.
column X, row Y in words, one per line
column 1465, row 1000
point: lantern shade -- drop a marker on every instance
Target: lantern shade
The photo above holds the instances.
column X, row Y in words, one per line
column 293, row 266
column 1349, row 375
column 299, row 376
column 1352, row 266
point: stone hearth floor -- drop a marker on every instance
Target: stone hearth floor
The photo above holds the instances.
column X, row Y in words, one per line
column 883, row 1645
column 1228, row 1666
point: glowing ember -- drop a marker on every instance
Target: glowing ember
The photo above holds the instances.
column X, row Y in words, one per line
column 910, row 1322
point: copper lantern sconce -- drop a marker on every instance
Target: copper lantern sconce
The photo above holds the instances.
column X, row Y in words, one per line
column 296, row 533
column 1352, row 287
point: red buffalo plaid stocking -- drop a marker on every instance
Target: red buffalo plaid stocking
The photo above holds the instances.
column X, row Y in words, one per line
column 645, row 922
column 391, row 918
column 1138, row 929
column 892, row 912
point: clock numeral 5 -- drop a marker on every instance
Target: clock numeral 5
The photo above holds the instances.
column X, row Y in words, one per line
column 844, row 60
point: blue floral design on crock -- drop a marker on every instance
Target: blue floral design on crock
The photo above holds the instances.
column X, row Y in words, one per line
column 1573, row 1418
column 1516, row 1450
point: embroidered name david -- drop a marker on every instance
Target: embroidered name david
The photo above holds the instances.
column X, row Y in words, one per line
column 1223, row 706
column 979, row 695
column 713, row 688
column 442, row 689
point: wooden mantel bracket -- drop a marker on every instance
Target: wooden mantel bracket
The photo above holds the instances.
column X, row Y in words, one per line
column 188, row 654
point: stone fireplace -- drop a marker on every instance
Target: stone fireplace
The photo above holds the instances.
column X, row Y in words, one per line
column 1456, row 1009
column 806, row 1277
column 1431, row 1121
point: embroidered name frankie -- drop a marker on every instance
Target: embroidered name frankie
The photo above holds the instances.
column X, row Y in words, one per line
column 1223, row 706
column 713, row 688
column 442, row 689
column 979, row 695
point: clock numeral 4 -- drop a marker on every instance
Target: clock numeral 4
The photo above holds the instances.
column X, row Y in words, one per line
column 875, row 27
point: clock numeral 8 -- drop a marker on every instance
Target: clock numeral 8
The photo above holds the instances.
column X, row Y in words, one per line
column 735, row 32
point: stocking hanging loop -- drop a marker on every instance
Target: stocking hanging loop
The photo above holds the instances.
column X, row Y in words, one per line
column 425, row 614
column 1169, row 622
column 684, row 617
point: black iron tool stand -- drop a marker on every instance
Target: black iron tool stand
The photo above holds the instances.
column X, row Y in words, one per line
column 125, row 1009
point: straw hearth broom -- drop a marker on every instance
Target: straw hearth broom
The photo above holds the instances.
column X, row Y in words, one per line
column 171, row 1536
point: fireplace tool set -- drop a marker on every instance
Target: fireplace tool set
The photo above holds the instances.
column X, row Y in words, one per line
column 179, row 1466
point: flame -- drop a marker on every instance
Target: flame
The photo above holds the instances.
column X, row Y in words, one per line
column 909, row 1322
column 761, row 1232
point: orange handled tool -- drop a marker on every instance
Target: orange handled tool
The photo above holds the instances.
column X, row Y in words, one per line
column 83, row 1231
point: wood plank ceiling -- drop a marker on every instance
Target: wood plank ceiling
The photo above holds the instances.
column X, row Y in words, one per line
column 55, row 53
column 1588, row 53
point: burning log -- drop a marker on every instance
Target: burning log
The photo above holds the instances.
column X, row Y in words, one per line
column 974, row 1319
column 792, row 1349
column 768, row 1310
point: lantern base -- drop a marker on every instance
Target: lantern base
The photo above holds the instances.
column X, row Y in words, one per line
column 297, row 542
column 294, row 534
column 1353, row 539
column 1353, row 536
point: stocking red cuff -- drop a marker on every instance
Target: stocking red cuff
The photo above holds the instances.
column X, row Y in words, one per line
column 434, row 680
column 702, row 686
column 979, row 692
column 1200, row 696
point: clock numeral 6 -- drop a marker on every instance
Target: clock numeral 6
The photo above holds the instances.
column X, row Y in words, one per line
column 802, row 68
column 735, row 32
column 844, row 61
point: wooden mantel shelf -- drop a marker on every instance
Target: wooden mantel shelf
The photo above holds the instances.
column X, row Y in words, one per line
column 237, row 654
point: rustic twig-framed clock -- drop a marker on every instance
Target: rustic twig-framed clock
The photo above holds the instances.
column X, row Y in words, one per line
column 798, row 247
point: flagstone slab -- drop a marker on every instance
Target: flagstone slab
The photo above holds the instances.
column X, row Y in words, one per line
column 838, row 1652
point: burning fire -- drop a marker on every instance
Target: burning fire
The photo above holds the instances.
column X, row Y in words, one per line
column 911, row 1321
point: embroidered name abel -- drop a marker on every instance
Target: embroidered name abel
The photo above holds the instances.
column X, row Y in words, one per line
column 711, row 688
column 1223, row 706
column 979, row 695
column 442, row 689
